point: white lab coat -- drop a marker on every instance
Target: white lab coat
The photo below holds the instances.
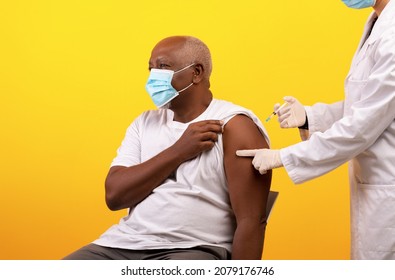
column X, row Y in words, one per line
column 361, row 130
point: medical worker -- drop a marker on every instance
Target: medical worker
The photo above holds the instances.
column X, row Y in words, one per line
column 360, row 129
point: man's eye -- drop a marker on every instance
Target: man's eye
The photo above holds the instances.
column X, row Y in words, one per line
column 163, row 65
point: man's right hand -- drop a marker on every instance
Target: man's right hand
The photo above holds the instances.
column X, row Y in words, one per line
column 197, row 138
column 292, row 115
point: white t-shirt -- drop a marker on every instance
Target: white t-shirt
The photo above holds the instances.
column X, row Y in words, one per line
column 189, row 209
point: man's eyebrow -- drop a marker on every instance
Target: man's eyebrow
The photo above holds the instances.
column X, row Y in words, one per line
column 163, row 59
column 159, row 59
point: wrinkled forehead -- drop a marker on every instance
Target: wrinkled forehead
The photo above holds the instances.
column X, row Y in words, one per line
column 169, row 49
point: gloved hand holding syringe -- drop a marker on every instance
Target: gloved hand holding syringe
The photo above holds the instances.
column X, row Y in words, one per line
column 290, row 114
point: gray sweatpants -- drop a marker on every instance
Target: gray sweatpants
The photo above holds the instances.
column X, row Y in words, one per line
column 96, row 252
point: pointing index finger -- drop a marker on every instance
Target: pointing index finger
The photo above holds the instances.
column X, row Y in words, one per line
column 246, row 153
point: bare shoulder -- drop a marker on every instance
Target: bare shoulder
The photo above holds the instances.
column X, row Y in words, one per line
column 241, row 132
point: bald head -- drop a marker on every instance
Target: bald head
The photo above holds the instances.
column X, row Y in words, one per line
column 189, row 50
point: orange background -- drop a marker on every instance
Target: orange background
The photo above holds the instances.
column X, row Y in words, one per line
column 72, row 76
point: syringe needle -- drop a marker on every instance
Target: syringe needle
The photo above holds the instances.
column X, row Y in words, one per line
column 275, row 112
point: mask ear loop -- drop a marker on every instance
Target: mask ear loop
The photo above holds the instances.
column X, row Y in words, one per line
column 185, row 88
column 184, row 68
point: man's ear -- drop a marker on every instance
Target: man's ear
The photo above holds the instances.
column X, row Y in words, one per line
column 198, row 73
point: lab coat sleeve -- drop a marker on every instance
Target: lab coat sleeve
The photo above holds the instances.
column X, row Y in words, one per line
column 322, row 116
column 368, row 117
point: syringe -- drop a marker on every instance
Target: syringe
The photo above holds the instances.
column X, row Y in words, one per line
column 275, row 112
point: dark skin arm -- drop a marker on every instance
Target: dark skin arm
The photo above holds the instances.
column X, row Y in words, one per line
column 127, row 186
column 248, row 189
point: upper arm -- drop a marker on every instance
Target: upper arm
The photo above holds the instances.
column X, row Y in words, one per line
column 248, row 189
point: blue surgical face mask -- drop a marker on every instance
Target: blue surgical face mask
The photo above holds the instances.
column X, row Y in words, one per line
column 159, row 86
column 359, row 4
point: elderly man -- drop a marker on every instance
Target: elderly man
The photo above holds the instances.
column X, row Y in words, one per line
column 189, row 196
